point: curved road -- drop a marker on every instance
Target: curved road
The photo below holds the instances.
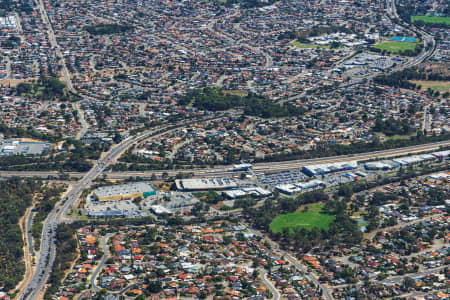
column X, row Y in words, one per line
column 273, row 289
column 104, row 243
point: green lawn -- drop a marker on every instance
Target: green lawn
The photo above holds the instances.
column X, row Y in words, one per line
column 395, row 47
column 310, row 219
column 397, row 136
column 310, row 46
column 441, row 86
column 432, row 20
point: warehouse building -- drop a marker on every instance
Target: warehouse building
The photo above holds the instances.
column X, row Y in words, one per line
column 124, row 191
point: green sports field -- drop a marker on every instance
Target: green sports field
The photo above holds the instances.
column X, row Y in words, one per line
column 432, row 20
column 395, row 47
column 309, row 219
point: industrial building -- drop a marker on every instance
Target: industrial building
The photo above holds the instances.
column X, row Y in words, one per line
column 321, row 169
column 124, row 191
column 205, row 184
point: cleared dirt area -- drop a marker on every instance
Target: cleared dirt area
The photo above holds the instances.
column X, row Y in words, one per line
column 28, row 259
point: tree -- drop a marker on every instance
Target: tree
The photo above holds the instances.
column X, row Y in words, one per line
column 154, row 287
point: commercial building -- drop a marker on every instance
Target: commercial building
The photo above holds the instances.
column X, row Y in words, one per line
column 14, row 147
column 159, row 210
column 405, row 160
column 255, row 191
column 205, row 184
column 321, row 169
column 241, row 167
column 380, row 165
column 415, row 159
column 106, row 214
column 296, row 188
column 180, row 202
column 124, row 191
column 441, row 154
column 8, row 22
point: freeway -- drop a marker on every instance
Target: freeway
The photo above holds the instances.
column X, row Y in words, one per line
column 57, row 215
column 257, row 167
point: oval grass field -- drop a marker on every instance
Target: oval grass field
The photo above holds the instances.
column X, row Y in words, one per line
column 304, row 219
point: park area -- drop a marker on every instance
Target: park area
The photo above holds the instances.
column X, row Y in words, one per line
column 431, row 20
column 312, row 217
column 395, row 46
column 441, row 86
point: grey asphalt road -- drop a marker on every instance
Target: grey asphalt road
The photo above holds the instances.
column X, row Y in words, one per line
column 273, row 289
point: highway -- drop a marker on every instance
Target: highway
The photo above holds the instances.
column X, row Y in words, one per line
column 428, row 39
column 57, row 215
column 257, row 167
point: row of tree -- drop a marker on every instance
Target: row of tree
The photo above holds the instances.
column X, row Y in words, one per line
column 328, row 149
column 15, row 197
column 101, row 29
column 342, row 230
column 392, row 126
